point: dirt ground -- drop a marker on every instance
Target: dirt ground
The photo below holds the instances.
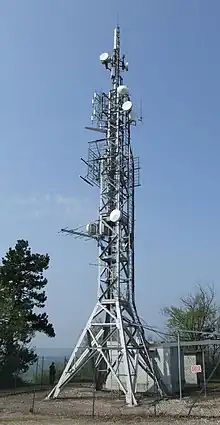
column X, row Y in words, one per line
column 80, row 406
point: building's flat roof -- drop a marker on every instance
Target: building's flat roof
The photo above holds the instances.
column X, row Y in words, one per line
column 185, row 343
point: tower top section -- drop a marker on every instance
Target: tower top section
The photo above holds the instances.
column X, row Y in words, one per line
column 117, row 100
column 115, row 63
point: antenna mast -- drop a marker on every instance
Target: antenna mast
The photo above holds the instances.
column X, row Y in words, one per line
column 113, row 338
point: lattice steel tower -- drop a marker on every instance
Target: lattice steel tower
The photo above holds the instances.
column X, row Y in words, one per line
column 113, row 338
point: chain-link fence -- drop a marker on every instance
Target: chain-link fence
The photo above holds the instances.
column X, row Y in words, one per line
column 29, row 390
column 42, row 375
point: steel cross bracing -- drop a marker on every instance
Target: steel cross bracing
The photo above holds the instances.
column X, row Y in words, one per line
column 114, row 325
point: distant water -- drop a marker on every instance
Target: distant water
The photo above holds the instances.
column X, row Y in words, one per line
column 53, row 352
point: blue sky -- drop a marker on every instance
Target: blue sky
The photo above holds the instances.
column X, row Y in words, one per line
column 49, row 71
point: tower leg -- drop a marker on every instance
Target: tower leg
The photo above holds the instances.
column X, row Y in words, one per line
column 73, row 365
column 130, row 398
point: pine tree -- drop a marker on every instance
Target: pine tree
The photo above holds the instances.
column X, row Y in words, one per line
column 22, row 293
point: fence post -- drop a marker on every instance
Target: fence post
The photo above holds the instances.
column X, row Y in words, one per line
column 179, row 365
column 15, row 381
column 42, row 372
column 65, row 362
column 204, row 372
column 94, row 391
column 34, row 391
column 155, row 398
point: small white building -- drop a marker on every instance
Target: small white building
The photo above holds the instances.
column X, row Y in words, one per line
column 167, row 362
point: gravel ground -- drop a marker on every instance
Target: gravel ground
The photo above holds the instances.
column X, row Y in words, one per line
column 75, row 407
column 62, row 421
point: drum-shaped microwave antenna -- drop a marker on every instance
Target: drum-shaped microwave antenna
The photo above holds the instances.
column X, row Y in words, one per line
column 104, row 58
column 92, row 229
column 115, row 216
column 127, row 106
column 122, row 90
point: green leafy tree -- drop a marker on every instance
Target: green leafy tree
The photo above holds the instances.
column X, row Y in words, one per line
column 197, row 318
column 22, row 293
column 197, row 313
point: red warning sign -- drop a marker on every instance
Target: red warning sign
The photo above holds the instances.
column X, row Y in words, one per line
column 196, row 368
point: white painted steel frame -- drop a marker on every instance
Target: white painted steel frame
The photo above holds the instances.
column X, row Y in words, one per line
column 114, row 321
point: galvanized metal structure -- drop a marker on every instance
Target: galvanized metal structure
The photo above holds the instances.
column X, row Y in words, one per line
column 112, row 167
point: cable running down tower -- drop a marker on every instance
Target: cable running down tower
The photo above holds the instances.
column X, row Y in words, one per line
column 113, row 339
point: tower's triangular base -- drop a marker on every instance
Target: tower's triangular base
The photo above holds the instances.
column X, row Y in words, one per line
column 111, row 326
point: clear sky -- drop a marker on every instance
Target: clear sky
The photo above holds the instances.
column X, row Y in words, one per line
column 49, row 70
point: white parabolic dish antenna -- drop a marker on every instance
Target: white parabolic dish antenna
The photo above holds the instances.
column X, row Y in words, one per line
column 104, row 57
column 122, row 90
column 127, row 106
column 115, row 216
